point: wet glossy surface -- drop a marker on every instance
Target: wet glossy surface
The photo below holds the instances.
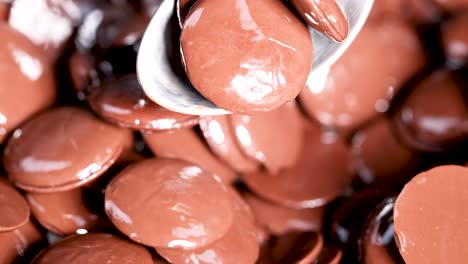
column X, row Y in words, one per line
column 94, row 248
column 318, row 177
column 62, row 213
column 183, row 8
column 123, row 102
column 79, row 148
column 30, row 81
column 326, row 16
column 238, row 245
column 260, row 62
column 279, row 220
column 430, row 217
column 14, row 209
column 455, row 39
column 435, row 115
column 172, row 204
column 219, row 133
column 346, row 95
column 16, row 244
column 258, row 136
column 186, row 145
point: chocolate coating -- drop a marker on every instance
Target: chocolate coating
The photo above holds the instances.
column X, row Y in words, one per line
column 77, row 149
column 220, row 136
column 14, row 209
column 16, row 244
column 380, row 157
column 62, row 212
column 258, row 136
column 331, row 254
column 430, row 217
column 29, row 77
column 318, row 177
column 123, row 102
column 183, row 8
column 347, row 95
column 435, row 115
column 280, row 220
column 238, row 245
column 94, row 248
column 455, row 39
column 186, row 145
column 170, row 204
column 299, row 248
column 246, row 56
column 325, row 16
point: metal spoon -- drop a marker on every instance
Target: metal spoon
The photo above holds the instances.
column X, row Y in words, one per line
column 173, row 91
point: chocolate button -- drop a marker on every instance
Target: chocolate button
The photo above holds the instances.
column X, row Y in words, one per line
column 273, row 138
column 16, row 244
column 186, row 145
column 219, row 135
column 430, row 217
column 14, row 209
column 281, row 220
column 62, row 149
column 357, row 87
column 62, row 213
column 331, row 254
column 4, row 10
column 434, row 116
column 379, row 156
column 29, row 77
column 325, row 16
column 94, row 248
column 132, row 32
column 298, row 248
column 246, row 56
column 319, row 176
column 170, row 204
column 238, row 245
column 123, row 102
column 455, row 40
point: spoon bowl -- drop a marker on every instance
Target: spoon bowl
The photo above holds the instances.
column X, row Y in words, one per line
column 173, row 91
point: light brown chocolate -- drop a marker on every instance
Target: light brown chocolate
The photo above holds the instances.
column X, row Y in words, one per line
column 186, row 145
column 272, row 138
column 28, row 84
column 238, row 245
column 62, row 149
column 94, row 248
column 14, row 209
column 62, row 213
column 326, row 16
column 220, row 136
column 279, row 220
column 4, row 10
column 455, row 39
column 246, row 56
column 319, row 176
column 16, row 244
column 170, row 204
column 363, row 82
column 430, row 217
column 123, row 102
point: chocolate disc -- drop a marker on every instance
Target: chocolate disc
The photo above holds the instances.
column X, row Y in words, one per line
column 281, row 220
column 27, row 77
column 430, row 217
column 455, row 39
column 170, row 204
column 319, row 176
column 247, row 56
column 219, row 134
column 331, row 254
column 61, row 150
column 16, row 244
column 14, row 210
column 238, row 245
column 62, row 212
column 357, row 88
column 123, row 102
column 259, row 135
column 94, row 248
column 185, row 144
